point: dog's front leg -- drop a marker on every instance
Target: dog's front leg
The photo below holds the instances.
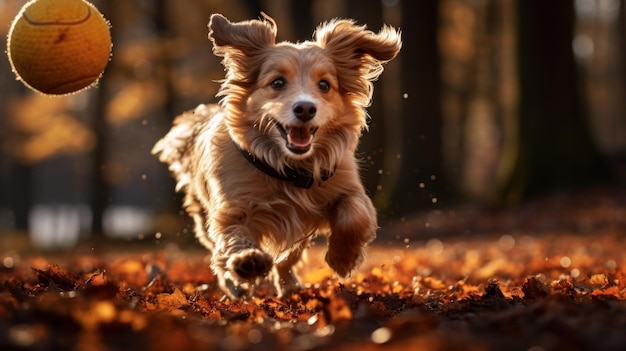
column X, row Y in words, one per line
column 237, row 260
column 353, row 225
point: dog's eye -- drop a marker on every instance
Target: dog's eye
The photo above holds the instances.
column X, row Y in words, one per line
column 324, row 86
column 278, row 84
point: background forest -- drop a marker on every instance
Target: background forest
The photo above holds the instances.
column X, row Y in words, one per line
column 490, row 103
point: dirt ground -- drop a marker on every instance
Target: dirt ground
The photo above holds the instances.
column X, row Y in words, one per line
column 547, row 275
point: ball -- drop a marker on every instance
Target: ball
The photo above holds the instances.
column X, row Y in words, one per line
column 59, row 46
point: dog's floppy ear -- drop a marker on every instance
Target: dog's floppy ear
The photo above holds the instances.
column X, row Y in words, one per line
column 354, row 46
column 358, row 54
column 248, row 37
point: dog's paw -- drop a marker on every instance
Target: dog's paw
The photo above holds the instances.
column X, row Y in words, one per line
column 250, row 264
column 231, row 289
column 343, row 261
column 285, row 282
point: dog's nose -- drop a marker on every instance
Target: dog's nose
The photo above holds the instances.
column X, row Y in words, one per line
column 304, row 110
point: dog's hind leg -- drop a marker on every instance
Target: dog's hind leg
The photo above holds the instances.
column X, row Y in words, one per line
column 284, row 275
column 196, row 211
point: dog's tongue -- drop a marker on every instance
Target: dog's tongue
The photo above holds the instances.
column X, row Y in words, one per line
column 300, row 137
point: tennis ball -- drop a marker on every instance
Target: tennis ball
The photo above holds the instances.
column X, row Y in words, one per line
column 59, row 46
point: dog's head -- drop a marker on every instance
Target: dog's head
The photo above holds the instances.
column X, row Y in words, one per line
column 299, row 103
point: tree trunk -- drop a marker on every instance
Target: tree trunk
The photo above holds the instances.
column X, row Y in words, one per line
column 303, row 24
column 100, row 189
column 420, row 183
column 556, row 150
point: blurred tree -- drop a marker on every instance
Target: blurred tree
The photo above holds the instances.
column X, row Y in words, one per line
column 474, row 42
column 100, row 196
column 303, row 25
column 255, row 7
column 19, row 193
column 555, row 149
column 165, row 36
column 420, row 183
column 621, row 27
column 16, row 193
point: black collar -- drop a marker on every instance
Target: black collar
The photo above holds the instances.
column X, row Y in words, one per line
column 299, row 177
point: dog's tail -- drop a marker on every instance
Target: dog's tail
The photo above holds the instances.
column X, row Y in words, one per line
column 176, row 146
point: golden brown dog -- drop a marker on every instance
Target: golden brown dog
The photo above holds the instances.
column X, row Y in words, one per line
column 273, row 164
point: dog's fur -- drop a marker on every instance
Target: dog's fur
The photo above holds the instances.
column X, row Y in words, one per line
column 298, row 106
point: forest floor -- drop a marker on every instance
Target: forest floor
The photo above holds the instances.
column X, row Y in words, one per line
column 546, row 275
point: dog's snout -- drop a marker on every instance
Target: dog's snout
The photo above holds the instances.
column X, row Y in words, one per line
column 304, row 110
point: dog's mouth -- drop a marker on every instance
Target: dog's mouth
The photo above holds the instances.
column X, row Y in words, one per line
column 299, row 139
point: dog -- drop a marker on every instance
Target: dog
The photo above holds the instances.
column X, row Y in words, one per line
column 273, row 164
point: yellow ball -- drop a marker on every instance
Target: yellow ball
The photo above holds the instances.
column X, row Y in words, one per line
column 59, row 46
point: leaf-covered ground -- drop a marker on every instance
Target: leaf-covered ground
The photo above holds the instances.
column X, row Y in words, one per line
column 519, row 284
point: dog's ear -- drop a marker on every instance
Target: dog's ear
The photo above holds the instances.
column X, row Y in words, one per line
column 248, row 38
column 358, row 55
column 354, row 46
